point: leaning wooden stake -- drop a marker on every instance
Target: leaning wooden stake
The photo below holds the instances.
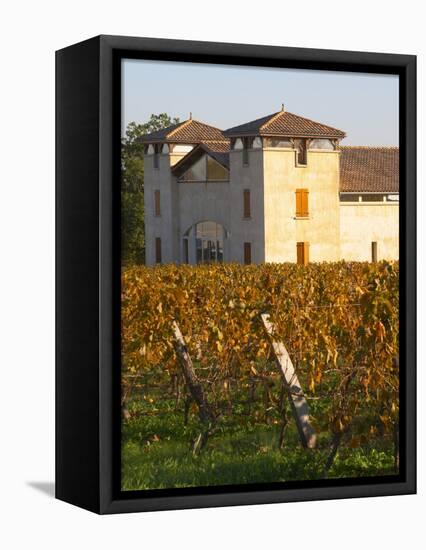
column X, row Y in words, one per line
column 194, row 386
column 297, row 400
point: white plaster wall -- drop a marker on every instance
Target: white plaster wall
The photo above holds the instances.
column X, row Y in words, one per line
column 362, row 223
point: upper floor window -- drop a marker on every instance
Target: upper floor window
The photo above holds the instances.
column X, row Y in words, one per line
column 157, row 203
column 324, row 144
column 282, row 143
column 246, row 145
column 367, row 197
column 302, row 203
column 301, row 148
column 156, row 155
column 247, row 205
column 215, row 171
column 206, row 168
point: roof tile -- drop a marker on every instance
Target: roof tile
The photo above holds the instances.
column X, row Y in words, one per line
column 189, row 131
column 369, row 169
column 285, row 124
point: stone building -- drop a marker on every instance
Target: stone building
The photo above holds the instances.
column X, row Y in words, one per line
column 277, row 189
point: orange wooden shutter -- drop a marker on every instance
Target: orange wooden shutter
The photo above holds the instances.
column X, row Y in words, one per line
column 305, row 208
column 302, row 208
column 298, row 202
column 374, row 251
column 303, row 253
column 300, row 253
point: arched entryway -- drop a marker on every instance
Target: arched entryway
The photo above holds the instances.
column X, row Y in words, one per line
column 203, row 243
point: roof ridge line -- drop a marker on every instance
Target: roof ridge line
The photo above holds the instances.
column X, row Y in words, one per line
column 315, row 122
column 368, row 146
column 184, row 124
column 273, row 117
column 205, row 124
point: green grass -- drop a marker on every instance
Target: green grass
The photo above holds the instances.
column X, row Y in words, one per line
column 156, row 453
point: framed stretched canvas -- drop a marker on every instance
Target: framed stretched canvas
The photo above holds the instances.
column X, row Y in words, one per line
column 235, row 274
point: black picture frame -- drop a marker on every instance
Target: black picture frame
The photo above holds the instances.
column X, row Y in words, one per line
column 88, row 272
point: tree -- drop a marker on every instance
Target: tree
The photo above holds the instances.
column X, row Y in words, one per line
column 132, row 199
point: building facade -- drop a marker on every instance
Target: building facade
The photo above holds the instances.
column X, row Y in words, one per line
column 277, row 189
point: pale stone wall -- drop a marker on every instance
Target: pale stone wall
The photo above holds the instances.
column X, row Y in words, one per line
column 250, row 229
column 199, row 202
column 166, row 225
column 361, row 223
column 283, row 230
column 335, row 230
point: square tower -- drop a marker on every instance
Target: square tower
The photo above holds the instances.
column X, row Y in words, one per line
column 290, row 166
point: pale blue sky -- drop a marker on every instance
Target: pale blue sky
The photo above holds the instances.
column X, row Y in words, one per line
column 365, row 106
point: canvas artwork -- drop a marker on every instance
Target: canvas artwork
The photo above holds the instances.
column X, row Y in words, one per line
column 260, row 275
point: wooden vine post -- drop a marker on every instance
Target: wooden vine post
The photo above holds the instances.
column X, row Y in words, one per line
column 297, row 400
column 194, row 386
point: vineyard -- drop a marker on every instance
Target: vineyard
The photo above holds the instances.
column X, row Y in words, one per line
column 229, row 419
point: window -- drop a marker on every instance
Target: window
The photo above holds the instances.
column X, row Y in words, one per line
column 373, row 197
column 247, row 206
column 247, row 253
column 156, row 156
column 206, row 168
column 374, row 251
column 302, row 206
column 283, row 143
column 322, row 144
column 302, row 157
column 215, row 171
column 209, row 237
column 157, row 204
column 303, row 253
column 350, row 197
column 157, row 250
column 186, row 250
column 246, row 146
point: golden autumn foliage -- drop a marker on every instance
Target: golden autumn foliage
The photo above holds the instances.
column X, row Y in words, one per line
column 338, row 321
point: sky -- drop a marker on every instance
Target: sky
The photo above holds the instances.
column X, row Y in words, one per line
column 365, row 106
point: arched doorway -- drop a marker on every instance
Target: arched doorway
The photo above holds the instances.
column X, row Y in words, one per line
column 203, row 243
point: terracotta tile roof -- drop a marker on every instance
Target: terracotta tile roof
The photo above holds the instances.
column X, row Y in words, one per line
column 369, row 169
column 284, row 124
column 218, row 146
column 189, row 131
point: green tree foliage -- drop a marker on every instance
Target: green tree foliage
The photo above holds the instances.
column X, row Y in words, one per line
column 132, row 199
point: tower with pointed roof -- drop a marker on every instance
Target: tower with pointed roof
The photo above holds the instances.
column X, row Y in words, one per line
column 165, row 202
column 290, row 167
